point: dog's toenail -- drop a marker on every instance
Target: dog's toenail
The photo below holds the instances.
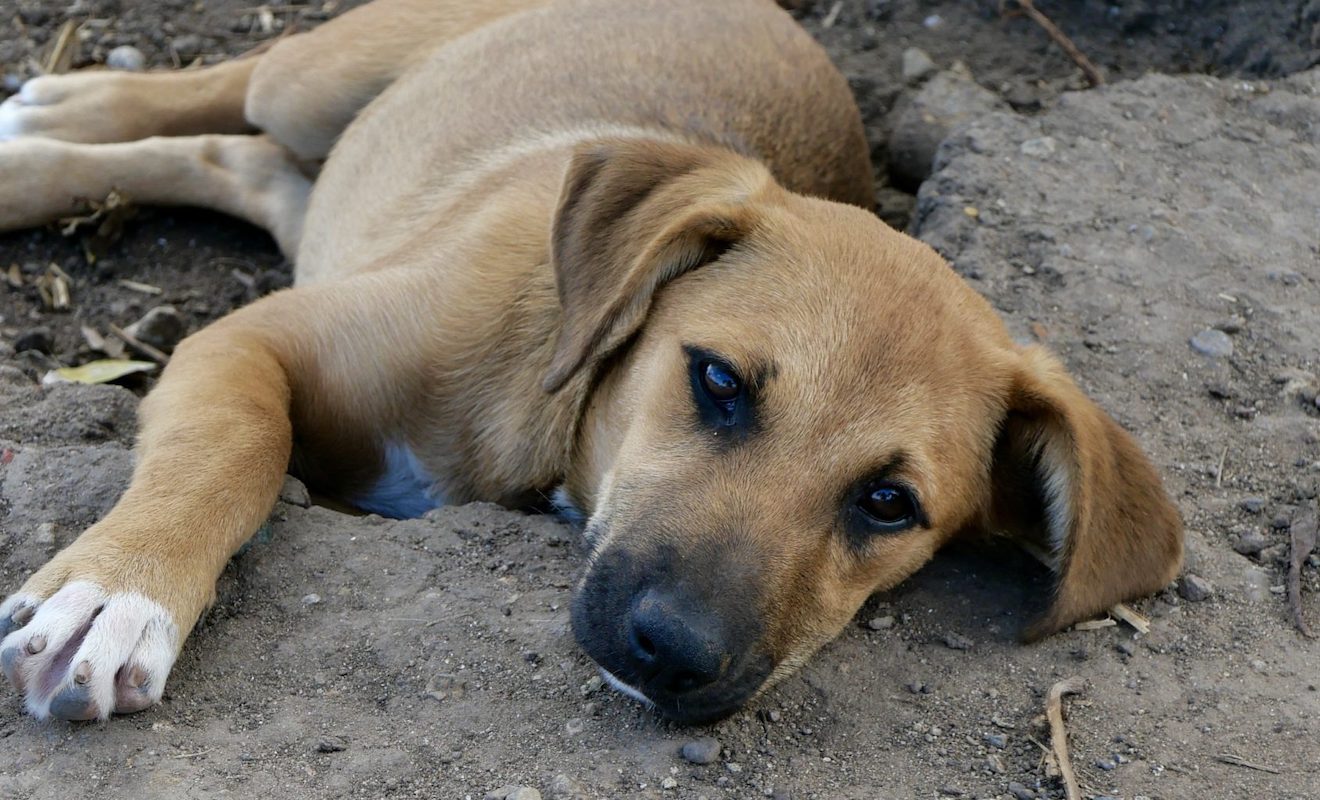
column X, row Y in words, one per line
column 35, row 645
column 84, row 673
column 23, row 615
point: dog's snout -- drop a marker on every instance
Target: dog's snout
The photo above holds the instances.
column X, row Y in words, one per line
column 673, row 648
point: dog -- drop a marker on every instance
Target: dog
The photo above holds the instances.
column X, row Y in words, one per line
column 616, row 250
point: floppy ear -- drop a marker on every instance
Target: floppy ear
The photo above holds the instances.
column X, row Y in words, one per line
column 1066, row 469
column 634, row 215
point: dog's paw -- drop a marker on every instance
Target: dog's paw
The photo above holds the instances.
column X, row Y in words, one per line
column 79, row 107
column 84, row 653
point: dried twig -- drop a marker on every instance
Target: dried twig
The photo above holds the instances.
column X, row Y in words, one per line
column 1239, row 761
column 1303, row 541
column 1059, row 734
column 61, row 54
column 1219, row 471
column 139, row 287
column 139, row 345
column 1092, row 72
column 833, row 16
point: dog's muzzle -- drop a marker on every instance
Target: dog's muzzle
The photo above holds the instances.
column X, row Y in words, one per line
column 668, row 637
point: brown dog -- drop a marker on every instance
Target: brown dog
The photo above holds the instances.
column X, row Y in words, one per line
column 619, row 248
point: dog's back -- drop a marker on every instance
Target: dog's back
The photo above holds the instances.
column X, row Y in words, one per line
column 738, row 73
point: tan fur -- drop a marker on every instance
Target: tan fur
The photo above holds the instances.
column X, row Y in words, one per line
column 500, row 264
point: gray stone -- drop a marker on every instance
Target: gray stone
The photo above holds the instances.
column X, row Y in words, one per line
column 1252, row 505
column 947, row 101
column 1251, row 543
column 881, row 623
column 1212, row 343
column 126, row 57
column 702, row 751
column 162, row 327
column 955, row 641
column 1195, row 589
column 1040, row 147
column 917, row 65
column 563, row 787
column 187, row 46
column 996, row 740
column 1020, row 792
column 294, row 492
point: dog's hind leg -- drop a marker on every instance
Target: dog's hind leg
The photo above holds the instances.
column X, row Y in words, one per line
column 303, row 91
column 250, row 177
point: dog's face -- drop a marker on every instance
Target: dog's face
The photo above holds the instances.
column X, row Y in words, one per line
column 794, row 407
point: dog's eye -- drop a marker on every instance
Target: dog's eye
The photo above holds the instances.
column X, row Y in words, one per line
column 889, row 505
column 720, row 383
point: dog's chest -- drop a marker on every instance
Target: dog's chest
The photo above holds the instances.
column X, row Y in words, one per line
column 405, row 489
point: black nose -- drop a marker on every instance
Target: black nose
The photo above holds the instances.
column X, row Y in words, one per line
column 674, row 650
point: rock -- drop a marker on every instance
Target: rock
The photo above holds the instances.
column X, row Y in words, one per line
column 668, row 783
column 187, row 46
column 312, row 599
column 332, row 744
column 951, row 791
column 881, row 623
column 294, row 492
column 995, row 764
column 998, row 740
column 1020, row 792
column 701, row 751
column 162, row 327
column 513, row 793
column 45, row 535
column 917, row 65
column 945, row 102
column 1251, row 543
column 1252, row 505
column 126, row 57
column 1040, row 147
column 1212, row 343
column 1125, row 649
column 37, row 339
column 565, row 788
column 1281, row 522
column 955, row 641
column 1195, row 589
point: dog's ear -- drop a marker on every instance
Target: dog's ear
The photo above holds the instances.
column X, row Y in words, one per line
column 634, row 215
column 1065, row 469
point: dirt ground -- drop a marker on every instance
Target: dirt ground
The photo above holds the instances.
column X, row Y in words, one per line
column 1161, row 234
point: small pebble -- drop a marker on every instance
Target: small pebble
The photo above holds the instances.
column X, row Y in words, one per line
column 1212, row 343
column 917, row 64
column 1020, row 792
column 332, row 744
column 187, row 46
column 702, row 751
column 565, row 788
column 1194, row 588
column 1042, row 147
column 1281, row 523
column 1251, row 543
column 1125, row 648
column 997, row 740
column 881, row 623
column 951, row 791
column 162, row 327
column 668, row 783
column 1252, row 505
column 126, row 57
column 955, row 641
column 311, row 599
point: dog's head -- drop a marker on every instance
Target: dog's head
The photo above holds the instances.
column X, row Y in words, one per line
column 792, row 406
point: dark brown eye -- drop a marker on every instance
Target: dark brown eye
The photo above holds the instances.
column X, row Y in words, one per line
column 889, row 505
column 720, row 383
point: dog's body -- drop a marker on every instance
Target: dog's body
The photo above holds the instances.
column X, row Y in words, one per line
column 612, row 247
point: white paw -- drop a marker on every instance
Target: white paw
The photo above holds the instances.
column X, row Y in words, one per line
column 84, row 653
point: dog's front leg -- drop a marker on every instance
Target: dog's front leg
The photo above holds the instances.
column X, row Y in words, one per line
column 97, row 630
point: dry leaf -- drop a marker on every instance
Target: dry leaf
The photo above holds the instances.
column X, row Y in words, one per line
column 102, row 371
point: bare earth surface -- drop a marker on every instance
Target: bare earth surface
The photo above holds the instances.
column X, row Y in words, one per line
column 1162, row 234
